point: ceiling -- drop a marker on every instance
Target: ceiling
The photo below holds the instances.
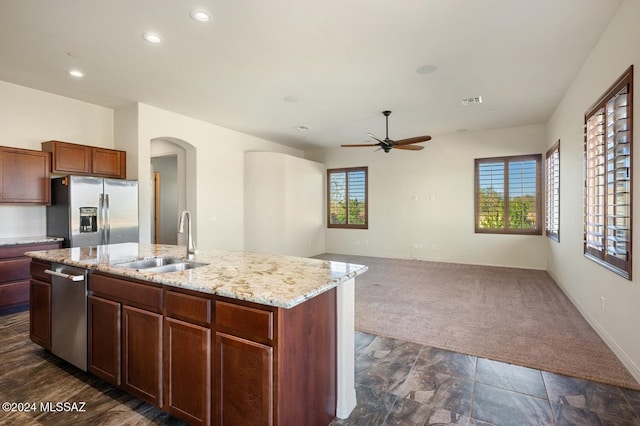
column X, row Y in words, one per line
column 267, row 67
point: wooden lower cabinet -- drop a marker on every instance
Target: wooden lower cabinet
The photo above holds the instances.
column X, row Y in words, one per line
column 142, row 354
column 243, row 381
column 210, row 360
column 40, row 313
column 16, row 269
column 104, row 339
column 40, row 304
column 187, row 376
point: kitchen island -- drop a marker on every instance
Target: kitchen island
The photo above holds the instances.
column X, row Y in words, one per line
column 243, row 338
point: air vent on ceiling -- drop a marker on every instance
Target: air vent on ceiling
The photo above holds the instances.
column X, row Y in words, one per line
column 469, row 101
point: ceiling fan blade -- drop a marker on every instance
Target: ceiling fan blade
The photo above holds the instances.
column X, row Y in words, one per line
column 410, row 147
column 417, row 139
column 355, row 145
column 372, row 136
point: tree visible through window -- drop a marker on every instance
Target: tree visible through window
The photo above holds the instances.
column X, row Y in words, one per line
column 507, row 195
column 347, row 198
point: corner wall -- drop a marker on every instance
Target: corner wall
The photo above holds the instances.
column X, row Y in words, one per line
column 219, row 167
column 29, row 117
column 284, row 208
column 585, row 282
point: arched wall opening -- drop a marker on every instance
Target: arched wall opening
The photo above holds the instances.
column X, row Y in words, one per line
column 173, row 188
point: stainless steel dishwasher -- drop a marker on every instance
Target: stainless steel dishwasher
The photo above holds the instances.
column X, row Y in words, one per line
column 69, row 313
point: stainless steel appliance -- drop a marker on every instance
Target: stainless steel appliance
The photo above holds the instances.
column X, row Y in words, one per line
column 90, row 211
column 69, row 313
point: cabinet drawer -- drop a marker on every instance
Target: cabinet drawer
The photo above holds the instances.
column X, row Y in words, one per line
column 132, row 293
column 14, row 293
column 20, row 250
column 14, row 269
column 37, row 271
column 188, row 308
column 246, row 320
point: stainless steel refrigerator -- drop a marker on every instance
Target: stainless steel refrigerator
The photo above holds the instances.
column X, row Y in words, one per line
column 90, row 211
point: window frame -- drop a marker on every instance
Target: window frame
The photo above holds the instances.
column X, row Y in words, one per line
column 347, row 170
column 602, row 257
column 506, row 160
column 552, row 192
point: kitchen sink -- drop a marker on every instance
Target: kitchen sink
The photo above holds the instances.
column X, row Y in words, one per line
column 174, row 267
column 161, row 264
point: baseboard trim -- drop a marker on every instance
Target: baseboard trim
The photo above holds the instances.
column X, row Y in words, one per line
column 634, row 370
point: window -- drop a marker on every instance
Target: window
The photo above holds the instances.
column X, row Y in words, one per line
column 507, row 195
column 552, row 192
column 347, row 198
column 607, row 174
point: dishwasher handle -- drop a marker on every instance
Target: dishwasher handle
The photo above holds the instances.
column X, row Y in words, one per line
column 65, row 276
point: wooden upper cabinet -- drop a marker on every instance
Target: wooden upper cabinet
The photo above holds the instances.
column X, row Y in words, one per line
column 24, row 176
column 108, row 163
column 70, row 158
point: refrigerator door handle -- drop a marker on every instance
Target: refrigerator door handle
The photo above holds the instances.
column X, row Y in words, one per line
column 108, row 220
column 101, row 220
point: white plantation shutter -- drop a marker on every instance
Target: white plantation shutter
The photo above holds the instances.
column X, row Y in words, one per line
column 607, row 173
column 552, row 192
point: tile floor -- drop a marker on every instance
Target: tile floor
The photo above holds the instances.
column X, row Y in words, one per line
column 397, row 383
column 403, row 383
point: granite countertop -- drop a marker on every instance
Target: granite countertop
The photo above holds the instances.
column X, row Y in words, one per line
column 275, row 280
column 14, row 241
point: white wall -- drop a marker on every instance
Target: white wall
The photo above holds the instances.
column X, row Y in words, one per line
column 284, row 208
column 29, row 117
column 584, row 281
column 441, row 220
column 218, row 162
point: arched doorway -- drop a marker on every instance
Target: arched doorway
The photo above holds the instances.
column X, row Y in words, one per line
column 173, row 188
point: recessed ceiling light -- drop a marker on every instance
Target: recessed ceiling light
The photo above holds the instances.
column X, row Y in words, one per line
column 75, row 73
column 200, row 16
column 152, row 37
column 426, row 69
column 302, row 128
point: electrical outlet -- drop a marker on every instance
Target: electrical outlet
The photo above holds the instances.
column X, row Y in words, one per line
column 602, row 303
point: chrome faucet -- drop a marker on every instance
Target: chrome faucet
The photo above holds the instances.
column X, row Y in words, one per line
column 191, row 246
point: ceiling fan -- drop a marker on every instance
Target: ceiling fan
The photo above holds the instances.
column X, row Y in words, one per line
column 387, row 144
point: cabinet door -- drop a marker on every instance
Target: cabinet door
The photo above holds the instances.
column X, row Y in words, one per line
column 142, row 354
column 243, row 381
column 108, row 163
column 24, row 176
column 104, row 339
column 40, row 313
column 188, row 371
column 68, row 157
